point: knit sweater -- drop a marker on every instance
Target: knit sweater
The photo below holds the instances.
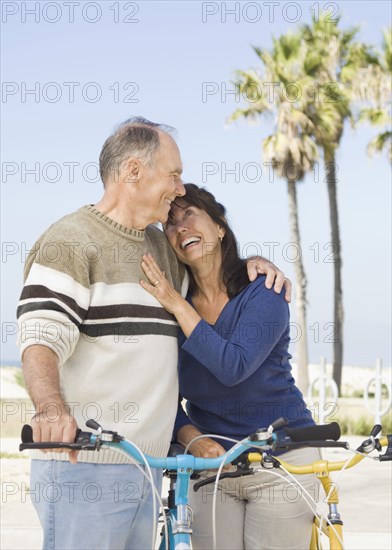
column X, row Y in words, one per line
column 116, row 345
column 236, row 375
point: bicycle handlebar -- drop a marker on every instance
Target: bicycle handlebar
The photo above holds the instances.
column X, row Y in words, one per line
column 90, row 442
column 263, row 439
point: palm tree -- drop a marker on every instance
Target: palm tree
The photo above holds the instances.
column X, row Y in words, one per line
column 290, row 149
column 336, row 60
column 325, row 63
column 372, row 87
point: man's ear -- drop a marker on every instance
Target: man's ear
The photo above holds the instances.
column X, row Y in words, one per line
column 132, row 169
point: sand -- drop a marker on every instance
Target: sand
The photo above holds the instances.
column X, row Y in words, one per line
column 366, row 495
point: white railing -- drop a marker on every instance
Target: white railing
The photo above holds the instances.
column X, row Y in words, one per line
column 323, row 382
column 324, row 405
column 377, row 407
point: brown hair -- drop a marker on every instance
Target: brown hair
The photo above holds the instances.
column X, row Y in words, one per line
column 233, row 269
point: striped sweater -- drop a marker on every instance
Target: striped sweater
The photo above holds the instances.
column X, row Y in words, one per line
column 116, row 345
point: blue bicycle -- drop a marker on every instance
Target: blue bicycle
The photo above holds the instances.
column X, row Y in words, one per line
column 179, row 467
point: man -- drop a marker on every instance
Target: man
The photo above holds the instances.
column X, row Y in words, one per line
column 94, row 344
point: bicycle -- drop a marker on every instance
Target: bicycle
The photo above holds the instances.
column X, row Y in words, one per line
column 177, row 515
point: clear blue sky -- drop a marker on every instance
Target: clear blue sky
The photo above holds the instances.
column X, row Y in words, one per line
column 94, row 64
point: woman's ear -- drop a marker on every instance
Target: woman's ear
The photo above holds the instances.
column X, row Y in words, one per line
column 221, row 233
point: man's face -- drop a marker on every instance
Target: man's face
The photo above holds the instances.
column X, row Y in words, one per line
column 164, row 182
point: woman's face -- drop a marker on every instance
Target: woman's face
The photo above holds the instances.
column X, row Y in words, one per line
column 193, row 235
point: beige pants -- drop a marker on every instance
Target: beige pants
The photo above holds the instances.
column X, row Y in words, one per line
column 257, row 512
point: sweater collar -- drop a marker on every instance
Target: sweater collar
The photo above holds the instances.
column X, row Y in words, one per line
column 136, row 234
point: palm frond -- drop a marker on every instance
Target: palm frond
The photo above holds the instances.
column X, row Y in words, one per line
column 381, row 142
column 376, row 117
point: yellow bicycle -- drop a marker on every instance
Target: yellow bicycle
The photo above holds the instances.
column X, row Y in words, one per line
column 327, row 533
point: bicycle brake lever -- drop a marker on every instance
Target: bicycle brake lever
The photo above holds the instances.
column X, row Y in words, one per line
column 212, row 479
column 282, row 444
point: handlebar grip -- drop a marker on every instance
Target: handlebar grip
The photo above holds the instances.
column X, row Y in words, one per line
column 315, row 433
column 81, row 442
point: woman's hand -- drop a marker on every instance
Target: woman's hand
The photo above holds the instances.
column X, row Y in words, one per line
column 160, row 287
column 206, row 448
column 168, row 297
column 203, row 448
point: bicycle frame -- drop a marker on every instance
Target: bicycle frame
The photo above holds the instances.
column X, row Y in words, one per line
column 322, row 468
column 179, row 524
column 185, row 465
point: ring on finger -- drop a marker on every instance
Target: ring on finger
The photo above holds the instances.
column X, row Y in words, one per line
column 156, row 283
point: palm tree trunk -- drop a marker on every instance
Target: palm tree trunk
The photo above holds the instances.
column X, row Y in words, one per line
column 338, row 314
column 300, row 291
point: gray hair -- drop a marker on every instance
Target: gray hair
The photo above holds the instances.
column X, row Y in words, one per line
column 136, row 137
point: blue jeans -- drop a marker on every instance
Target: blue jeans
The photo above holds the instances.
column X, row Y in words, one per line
column 84, row 506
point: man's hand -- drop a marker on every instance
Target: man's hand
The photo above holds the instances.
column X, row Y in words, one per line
column 256, row 265
column 54, row 423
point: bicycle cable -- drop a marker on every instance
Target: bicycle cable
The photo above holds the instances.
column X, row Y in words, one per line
column 322, row 517
column 296, row 483
column 276, row 474
column 338, row 476
column 230, row 452
column 212, row 436
column 150, row 479
column 355, row 451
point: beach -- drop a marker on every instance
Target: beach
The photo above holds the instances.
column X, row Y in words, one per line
column 365, row 502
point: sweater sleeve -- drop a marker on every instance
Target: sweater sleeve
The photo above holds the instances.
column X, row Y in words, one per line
column 53, row 303
column 234, row 355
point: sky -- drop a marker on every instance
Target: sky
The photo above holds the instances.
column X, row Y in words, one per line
column 73, row 70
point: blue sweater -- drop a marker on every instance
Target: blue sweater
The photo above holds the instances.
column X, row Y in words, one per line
column 236, row 375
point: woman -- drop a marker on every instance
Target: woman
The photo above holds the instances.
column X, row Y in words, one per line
column 235, row 374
